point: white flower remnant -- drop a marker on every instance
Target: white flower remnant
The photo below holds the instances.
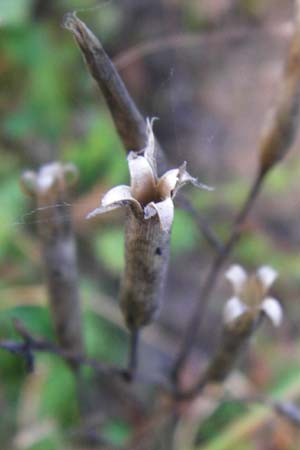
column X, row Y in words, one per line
column 242, row 314
column 250, row 295
column 149, row 201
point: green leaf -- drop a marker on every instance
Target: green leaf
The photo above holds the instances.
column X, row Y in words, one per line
column 58, row 397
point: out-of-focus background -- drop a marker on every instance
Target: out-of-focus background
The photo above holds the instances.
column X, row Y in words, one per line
column 210, row 70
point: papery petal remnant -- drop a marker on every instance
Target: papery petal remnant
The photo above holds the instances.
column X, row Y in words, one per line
column 267, row 275
column 233, row 309
column 272, row 308
column 237, row 276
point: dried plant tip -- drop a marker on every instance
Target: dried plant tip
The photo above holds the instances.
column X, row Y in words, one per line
column 282, row 124
column 129, row 123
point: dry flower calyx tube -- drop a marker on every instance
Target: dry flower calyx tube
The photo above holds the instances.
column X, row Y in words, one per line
column 150, row 212
column 243, row 313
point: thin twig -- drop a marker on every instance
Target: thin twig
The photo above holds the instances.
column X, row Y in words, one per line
column 31, row 344
column 133, row 352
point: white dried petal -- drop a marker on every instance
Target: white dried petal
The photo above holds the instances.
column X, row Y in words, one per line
column 184, row 178
column 167, row 183
column 117, row 194
column 273, row 309
column 142, row 178
column 116, row 197
column 150, row 150
column 233, row 309
column 45, row 182
column 103, row 209
column 165, row 212
column 237, row 276
column 267, row 275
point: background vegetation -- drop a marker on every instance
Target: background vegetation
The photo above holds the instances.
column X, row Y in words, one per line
column 211, row 85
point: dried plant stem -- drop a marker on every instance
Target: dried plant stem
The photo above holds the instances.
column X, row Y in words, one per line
column 49, row 187
column 59, row 255
column 146, row 260
column 133, row 353
column 233, row 341
column 127, row 118
column 211, row 279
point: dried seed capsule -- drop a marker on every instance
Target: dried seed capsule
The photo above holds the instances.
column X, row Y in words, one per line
column 283, row 122
column 49, row 186
column 242, row 315
column 146, row 259
column 148, row 226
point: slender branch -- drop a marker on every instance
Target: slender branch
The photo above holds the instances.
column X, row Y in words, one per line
column 31, row 344
column 210, row 281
